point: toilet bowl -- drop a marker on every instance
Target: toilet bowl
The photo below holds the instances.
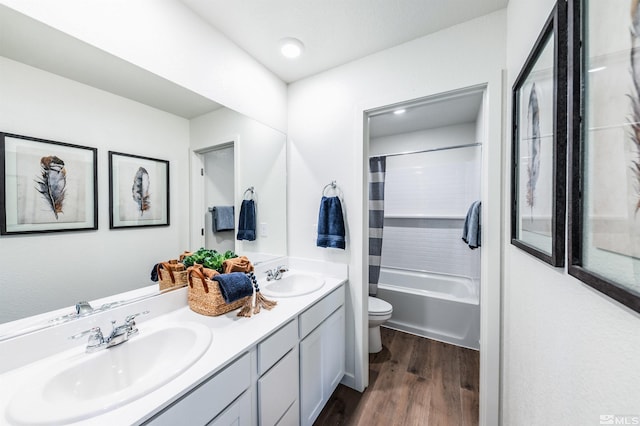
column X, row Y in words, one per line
column 379, row 312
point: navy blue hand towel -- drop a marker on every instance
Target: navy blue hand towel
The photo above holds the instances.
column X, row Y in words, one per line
column 222, row 218
column 471, row 233
column 330, row 223
column 234, row 286
column 247, row 221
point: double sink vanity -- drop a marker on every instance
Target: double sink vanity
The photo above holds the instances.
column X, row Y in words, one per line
column 175, row 366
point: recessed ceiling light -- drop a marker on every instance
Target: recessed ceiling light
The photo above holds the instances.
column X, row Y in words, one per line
column 291, row 47
column 597, row 69
column 399, row 111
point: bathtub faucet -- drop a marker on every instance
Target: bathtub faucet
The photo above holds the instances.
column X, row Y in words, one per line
column 276, row 273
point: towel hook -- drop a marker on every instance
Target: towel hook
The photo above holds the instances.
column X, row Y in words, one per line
column 332, row 185
column 249, row 189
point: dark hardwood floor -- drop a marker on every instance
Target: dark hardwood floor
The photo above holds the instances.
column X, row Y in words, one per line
column 413, row 381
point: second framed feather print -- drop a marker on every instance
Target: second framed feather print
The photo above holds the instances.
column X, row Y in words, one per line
column 604, row 204
column 138, row 191
column 539, row 129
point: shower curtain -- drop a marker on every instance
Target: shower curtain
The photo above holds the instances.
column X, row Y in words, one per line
column 377, row 169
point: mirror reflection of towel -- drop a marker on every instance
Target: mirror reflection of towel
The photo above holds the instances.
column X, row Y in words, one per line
column 330, row 223
column 247, row 221
column 222, row 218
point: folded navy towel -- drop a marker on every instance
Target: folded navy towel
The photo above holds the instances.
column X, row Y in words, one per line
column 471, row 233
column 330, row 223
column 247, row 221
column 222, row 218
column 234, row 286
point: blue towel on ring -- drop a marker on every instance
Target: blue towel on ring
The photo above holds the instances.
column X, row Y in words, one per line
column 247, row 221
column 330, row 223
column 234, row 286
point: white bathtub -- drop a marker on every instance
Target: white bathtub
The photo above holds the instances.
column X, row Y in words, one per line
column 438, row 306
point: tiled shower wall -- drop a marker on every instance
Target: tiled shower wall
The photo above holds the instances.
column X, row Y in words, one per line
column 426, row 199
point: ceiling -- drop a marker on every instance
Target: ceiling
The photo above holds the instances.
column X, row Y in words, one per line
column 30, row 42
column 427, row 114
column 334, row 32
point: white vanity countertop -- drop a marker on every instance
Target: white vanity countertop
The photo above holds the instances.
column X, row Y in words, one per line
column 231, row 336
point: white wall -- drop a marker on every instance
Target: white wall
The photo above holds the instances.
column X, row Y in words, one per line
column 219, row 190
column 260, row 162
column 570, row 353
column 168, row 39
column 427, row 196
column 47, row 271
column 326, row 143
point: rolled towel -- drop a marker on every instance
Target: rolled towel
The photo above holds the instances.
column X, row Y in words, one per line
column 330, row 223
column 237, row 264
column 222, row 218
column 247, row 221
column 234, row 286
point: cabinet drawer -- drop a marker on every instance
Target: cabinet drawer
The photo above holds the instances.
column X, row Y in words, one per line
column 278, row 389
column 206, row 401
column 312, row 317
column 275, row 346
column 291, row 417
column 237, row 414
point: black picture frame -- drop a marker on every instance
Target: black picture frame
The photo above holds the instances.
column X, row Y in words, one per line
column 584, row 235
column 542, row 234
column 47, row 186
column 138, row 191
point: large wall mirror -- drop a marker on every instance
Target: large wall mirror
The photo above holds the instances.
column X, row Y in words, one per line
column 59, row 88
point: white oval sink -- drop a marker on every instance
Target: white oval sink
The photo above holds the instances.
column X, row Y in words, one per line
column 292, row 284
column 90, row 384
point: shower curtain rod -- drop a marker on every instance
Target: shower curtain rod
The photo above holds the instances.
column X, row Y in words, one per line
column 444, row 148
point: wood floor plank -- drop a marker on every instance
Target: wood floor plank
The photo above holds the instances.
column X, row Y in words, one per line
column 445, row 407
column 412, row 381
column 469, row 369
column 419, row 363
column 387, row 391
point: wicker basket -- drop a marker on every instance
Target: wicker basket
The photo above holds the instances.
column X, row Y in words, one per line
column 205, row 297
column 171, row 274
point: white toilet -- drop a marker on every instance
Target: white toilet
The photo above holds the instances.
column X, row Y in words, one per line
column 379, row 312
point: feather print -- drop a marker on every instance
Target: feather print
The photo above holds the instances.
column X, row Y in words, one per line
column 140, row 190
column 635, row 96
column 52, row 183
column 533, row 116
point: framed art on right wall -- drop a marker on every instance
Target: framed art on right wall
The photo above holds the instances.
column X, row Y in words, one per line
column 604, row 177
column 538, row 162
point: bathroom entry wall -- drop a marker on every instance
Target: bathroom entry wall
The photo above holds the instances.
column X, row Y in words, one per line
column 219, row 190
column 427, row 196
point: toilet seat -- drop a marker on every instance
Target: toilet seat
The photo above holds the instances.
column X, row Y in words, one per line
column 379, row 307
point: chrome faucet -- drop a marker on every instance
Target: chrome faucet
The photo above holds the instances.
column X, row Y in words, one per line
column 83, row 308
column 276, row 273
column 119, row 334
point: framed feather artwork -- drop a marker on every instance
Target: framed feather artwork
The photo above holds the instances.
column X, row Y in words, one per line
column 604, row 178
column 138, row 191
column 539, row 131
column 47, row 186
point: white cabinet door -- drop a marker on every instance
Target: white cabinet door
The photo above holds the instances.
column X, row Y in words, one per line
column 321, row 365
column 333, row 352
column 311, row 395
column 278, row 389
column 237, row 414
